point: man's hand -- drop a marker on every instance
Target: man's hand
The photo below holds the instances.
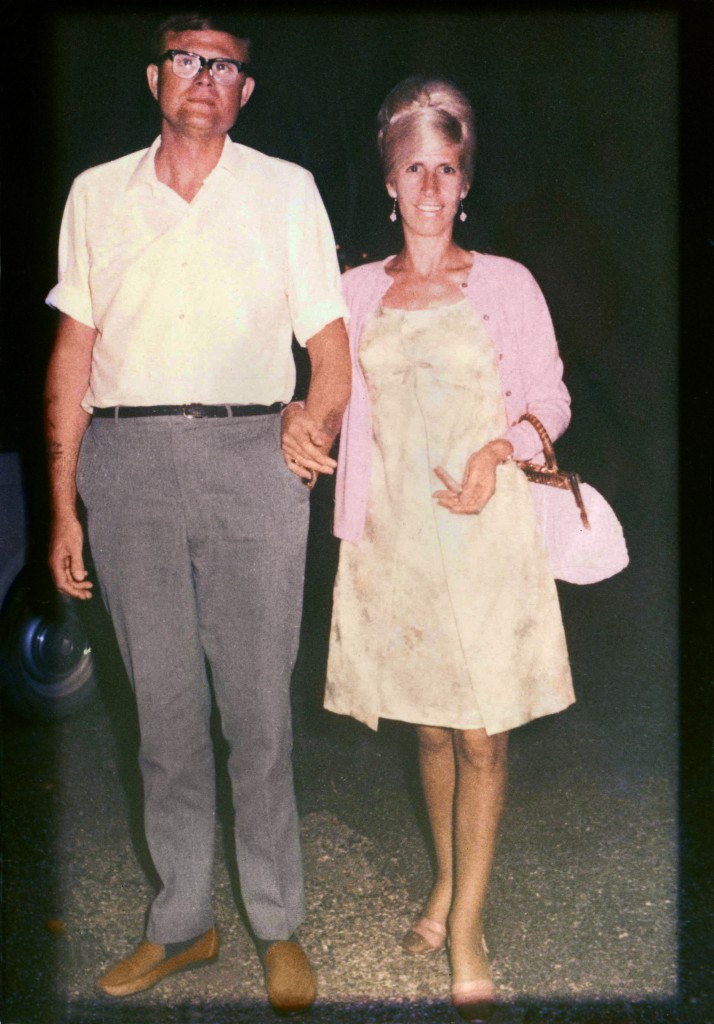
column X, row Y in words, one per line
column 309, row 428
column 304, row 445
column 66, row 562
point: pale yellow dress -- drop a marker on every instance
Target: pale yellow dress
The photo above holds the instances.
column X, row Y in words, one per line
column 441, row 619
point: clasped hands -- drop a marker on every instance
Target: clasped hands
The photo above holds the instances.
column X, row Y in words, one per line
column 478, row 485
column 305, row 445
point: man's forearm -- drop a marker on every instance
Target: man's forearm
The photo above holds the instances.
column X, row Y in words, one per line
column 330, row 380
column 63, row 452
column 307, row 434
column 65, row 419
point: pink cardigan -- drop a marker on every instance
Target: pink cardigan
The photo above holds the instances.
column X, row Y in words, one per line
column 507, row 297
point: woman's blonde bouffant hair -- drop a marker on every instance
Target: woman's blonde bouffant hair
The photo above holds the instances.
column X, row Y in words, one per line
column 421, row 106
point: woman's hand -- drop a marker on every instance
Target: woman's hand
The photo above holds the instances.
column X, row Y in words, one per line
column 479, row 480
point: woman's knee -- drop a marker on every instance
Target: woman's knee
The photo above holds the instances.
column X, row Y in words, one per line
column 477, row 750
column 434, row 739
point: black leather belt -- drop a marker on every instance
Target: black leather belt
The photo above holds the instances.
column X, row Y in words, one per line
column 193, row 411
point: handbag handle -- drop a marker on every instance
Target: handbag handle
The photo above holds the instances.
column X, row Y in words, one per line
column 549, row 473
column 551, row 463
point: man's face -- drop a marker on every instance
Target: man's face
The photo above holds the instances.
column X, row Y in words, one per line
column 198, row 106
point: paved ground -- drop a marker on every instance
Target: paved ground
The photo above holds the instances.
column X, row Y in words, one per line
column 582, row 916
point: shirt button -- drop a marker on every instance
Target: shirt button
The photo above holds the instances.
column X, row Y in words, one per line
column 181, row 316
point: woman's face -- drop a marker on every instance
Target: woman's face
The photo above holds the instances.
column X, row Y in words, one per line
column 429, row 187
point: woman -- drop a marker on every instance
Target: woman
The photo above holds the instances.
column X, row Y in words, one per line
column 446, row 614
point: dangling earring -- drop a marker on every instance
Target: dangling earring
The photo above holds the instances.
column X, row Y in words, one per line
column 393, row 214
column 463, row 215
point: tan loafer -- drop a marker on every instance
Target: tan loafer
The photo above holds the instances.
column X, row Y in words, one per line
column 289, row 980
column 151, row 963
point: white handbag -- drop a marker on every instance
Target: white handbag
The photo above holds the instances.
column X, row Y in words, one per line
column 582, row 534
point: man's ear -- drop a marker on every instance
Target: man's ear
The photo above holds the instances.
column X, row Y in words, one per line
column 152, row 77
column 247, row 91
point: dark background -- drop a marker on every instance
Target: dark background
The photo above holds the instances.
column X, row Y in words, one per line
column 591, row 135
column 576, row 175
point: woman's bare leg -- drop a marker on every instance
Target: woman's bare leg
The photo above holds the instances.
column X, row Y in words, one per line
column 481, row 774
column 438, row 777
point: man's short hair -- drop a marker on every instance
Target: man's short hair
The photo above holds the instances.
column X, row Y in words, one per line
column 196, row 21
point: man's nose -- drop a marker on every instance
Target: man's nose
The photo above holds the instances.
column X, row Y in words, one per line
column 204, row 76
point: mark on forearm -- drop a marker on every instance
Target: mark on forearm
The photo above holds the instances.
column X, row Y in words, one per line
column 56, row 450
column 59, row 455
column 331, row 422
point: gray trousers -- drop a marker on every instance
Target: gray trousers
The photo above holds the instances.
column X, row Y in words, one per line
column 198, row 534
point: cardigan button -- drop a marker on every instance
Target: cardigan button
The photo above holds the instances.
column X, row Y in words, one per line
column 486, row 316
column 508, row 394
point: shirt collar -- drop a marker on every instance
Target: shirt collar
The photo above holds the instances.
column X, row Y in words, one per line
column 230, row 158
column 145, row 171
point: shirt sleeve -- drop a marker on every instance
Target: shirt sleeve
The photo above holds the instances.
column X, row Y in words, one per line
column 314, row 291
column 71, row 294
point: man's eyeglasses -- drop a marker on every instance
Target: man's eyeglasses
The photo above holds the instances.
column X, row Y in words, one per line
column 223, row 70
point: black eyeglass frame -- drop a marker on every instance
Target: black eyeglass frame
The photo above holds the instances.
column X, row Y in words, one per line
column 205, row 62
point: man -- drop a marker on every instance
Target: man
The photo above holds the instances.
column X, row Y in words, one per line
column 185, row 269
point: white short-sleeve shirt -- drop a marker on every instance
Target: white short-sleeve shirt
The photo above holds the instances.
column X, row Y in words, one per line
column 196, row 302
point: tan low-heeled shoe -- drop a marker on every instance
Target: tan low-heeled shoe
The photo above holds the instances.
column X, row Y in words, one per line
column 474, row 1000
column 151, row 963
column 423, row 937
column 289, row 980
